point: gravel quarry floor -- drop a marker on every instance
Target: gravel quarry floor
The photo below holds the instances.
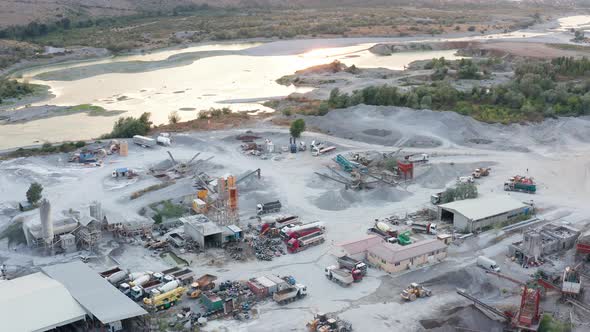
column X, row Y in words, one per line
column 555, row 152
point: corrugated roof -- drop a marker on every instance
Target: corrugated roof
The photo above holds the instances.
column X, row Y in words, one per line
column 36, row 303
column 94, row 293
column 359, row 246
column 397, row 253
column 202, row 224
column 264, row 281
column 480, row 208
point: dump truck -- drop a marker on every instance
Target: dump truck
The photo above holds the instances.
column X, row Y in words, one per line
column 302, row 243
column 427, row 228
column 340, row 276
column 479, row 172
column 290, row 294
column 415, row 291
column 521, row 183
column 184, row 275
column 269, row 207
column 387, row 237
column 351, row 264
column 435, row 199
column 146, row 142
column 165, row 300
column 205, row 282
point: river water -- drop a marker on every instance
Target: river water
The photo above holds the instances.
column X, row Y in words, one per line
column 239, row 76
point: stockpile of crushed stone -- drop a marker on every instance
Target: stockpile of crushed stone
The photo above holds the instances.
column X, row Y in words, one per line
column 437, row 176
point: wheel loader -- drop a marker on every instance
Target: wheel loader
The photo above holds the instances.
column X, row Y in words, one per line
column 415, row 291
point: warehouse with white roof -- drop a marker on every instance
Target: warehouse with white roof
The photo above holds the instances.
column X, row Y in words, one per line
column 479, row 213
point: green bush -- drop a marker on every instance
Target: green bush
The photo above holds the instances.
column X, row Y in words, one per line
column 127, row 127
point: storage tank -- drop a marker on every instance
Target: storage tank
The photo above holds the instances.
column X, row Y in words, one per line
column 46, row 221
column 383, row 226
column 135, row 275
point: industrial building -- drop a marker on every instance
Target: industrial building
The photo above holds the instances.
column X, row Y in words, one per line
column 395, row 258
column 547, row 240
column 37, row 303
column 61, row 295
column 358, row 249
column 209, row 234
column 477, row 214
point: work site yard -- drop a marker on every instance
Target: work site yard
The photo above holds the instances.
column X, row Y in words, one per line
column 555, row 152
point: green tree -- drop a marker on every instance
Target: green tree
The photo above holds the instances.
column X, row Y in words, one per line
column 426, row 102
column 297, row 127
column 34, row 192
column 173, row 117
column 127, row 127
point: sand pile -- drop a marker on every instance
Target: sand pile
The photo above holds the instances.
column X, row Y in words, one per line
column 335, row 200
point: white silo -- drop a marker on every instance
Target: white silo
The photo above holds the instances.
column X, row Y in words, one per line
column 46, row 221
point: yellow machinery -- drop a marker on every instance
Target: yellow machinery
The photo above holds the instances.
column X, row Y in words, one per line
column 165, row 300
column 415, row 291
column 194, row 292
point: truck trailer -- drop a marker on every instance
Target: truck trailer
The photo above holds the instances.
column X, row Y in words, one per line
column 351, row 264
column 428, row 228
column 269, row 207
column 340, row 276
column 286, row 230
column 144, row 141
column 290, row 294
column 302, row 243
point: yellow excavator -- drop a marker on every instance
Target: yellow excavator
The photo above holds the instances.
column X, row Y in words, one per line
column 165, row 300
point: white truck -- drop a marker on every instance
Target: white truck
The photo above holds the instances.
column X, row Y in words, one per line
column 290, row 294
column 427, row 228
column 144, row 141
column 285, row 231
column 339, row 276
column 487, row 264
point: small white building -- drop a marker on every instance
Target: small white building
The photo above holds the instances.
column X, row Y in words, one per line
column 471, row 215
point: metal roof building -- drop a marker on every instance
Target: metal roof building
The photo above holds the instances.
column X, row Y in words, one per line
column 95, row 294
column 395, row 258
column 474, row 214
column 36, row 303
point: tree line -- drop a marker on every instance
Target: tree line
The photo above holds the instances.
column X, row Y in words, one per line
column 536, row 91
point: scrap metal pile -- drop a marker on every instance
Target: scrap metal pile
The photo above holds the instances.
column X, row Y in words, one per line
column 266, row 248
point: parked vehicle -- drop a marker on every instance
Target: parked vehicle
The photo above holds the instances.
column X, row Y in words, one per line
column 117, row 277
column 302, row 243
column 465, row 179
column 146, row 142
column 351, row 264
column 324, row 323
column 204, row 283
column 387, row 237
column 138, row 292
column 110, row 271
column 123, row 172
column 417, row 158
column 165, row 300
column 270, row 207
column 479, row 172
column 166, row 287
column 303, row 232
column 290, row 294
column 487, row 263
column 339, row 276
column 286, row 230
column 436, row 198
column 163, row 139
column 521, row 183
column 415, row 291
column 184, row 276
column 428, row 228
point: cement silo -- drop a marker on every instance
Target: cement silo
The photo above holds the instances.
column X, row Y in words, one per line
column 46, row 222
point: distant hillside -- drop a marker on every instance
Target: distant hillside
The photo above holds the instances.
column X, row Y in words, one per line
column 21, row 12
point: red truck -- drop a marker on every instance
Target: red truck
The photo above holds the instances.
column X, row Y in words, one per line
column 304, row 242
column 303, row 232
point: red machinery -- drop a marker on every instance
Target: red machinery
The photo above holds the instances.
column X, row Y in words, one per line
column 406, row 168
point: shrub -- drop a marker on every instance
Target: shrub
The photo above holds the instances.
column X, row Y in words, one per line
column 297, row 128
column 34, row 193
column 127, row 127
column 173, row 117
column 471, row 28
